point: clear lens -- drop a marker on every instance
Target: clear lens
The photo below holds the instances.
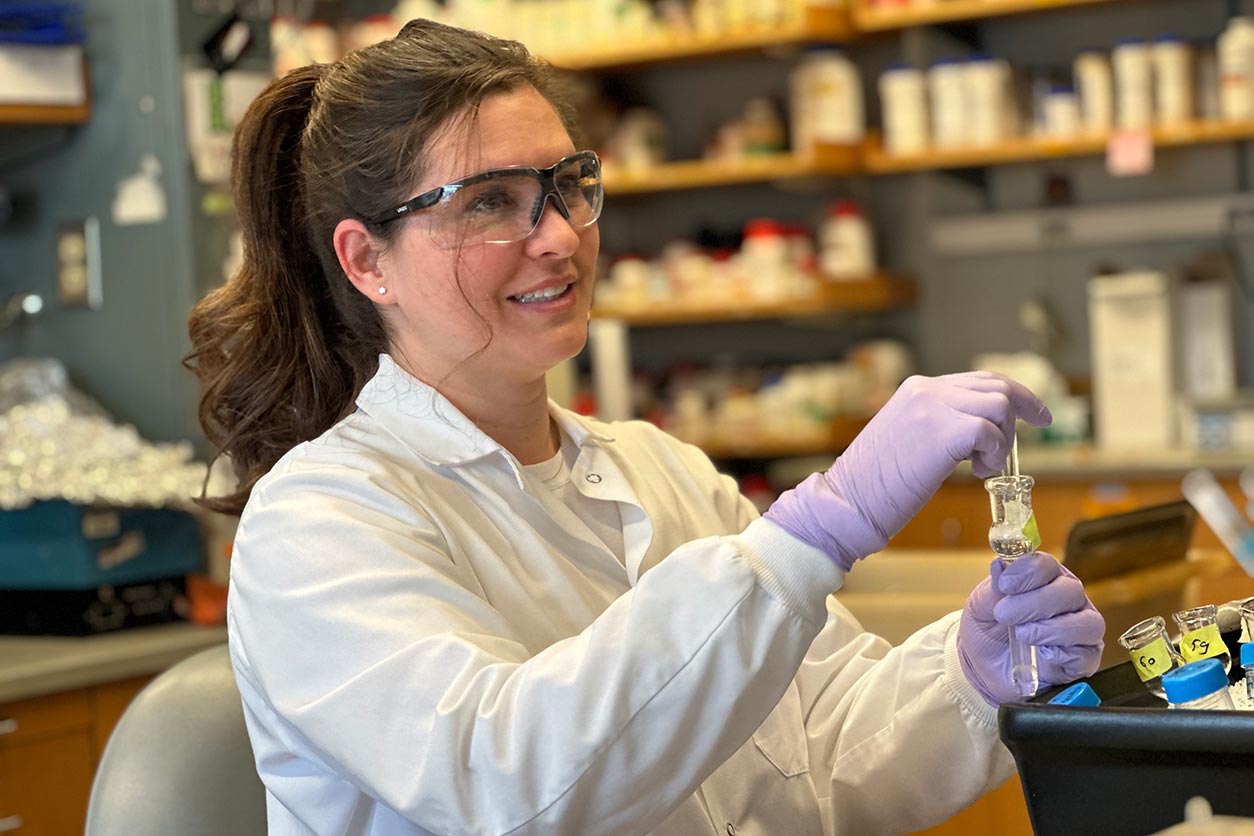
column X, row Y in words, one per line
column 504, row 206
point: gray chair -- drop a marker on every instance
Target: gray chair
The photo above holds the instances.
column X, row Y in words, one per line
column 178, row 762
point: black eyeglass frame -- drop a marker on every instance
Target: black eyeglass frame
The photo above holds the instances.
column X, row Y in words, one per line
column 547, row 178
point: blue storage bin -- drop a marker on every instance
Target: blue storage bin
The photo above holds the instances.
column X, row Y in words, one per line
column 62, row 546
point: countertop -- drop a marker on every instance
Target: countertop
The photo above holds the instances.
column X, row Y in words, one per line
column 31, row 666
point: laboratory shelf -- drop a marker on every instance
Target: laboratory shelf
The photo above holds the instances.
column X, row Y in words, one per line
column 23, row 114
column 881, row 293
column 838, row 435
column 879, row 18
column 827, row 160
column 820, row 24
column 1027, row 149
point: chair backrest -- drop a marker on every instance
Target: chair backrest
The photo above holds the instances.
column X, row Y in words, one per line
column 179, row 761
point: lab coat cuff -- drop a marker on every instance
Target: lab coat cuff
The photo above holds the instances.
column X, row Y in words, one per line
column 791, row 570
column 956, row 683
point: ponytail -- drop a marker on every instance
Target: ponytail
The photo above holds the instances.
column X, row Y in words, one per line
column 269, row 378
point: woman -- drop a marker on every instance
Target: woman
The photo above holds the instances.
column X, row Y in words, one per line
column 457, row 608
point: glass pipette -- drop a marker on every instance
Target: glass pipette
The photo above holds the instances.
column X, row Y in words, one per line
column 1013, row 534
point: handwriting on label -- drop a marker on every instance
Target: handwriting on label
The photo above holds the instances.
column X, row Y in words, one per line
column 1152, row 660
column 1202, row 643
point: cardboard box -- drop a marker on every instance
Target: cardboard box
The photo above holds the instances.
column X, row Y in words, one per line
column 1133, row 348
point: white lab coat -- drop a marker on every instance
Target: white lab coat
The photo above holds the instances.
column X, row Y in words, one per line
column 423, row 649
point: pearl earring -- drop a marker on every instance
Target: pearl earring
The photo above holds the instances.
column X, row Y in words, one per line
column 382, row 290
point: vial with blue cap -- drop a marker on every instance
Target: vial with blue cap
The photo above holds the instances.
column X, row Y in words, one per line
column 1247, row 662
column 1081, row 693
column 1202, row 684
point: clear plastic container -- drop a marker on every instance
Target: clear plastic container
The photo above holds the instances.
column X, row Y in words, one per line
column 1151, row 652
column 1247, row 663
column 1199, row 636
column 1202, row 684
column 1247, row 618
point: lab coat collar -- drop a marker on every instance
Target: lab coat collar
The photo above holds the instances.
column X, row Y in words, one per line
column 427, row 422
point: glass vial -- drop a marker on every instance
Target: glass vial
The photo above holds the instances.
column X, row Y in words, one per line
column 1151, row 652
column 1199, row 636
column 1202, row 684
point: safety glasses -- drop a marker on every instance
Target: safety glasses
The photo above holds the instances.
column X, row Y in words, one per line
column 504, row 205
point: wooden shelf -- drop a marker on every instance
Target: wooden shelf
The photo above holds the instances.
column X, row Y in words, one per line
column 882, row 293
column 878, row 161
column 828, row 160
column 868, row 18
column 821, row 24
column 838, row 436
column 13, row 114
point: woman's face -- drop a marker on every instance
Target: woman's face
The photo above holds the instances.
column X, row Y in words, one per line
column 448, row 302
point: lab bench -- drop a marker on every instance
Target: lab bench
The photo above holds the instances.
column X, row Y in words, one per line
column 59, row 701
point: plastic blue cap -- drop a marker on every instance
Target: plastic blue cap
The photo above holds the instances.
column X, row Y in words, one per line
column 1169, row 39
column 979, row 56
column 1079, row 694
column 1247, row 654
column 1194, row 680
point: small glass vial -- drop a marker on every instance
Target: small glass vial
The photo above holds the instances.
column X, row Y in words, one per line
column 1199, row 636
column 1081, row 694
column 1151, row 652
column 1202, row 684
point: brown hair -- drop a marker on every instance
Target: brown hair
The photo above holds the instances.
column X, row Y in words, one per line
column 282, row 349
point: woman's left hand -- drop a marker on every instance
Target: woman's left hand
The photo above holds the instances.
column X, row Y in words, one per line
column 1047, row 606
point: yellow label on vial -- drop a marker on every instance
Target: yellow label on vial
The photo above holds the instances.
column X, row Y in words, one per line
column 1202, row 643
column 1031, row 532
column 1152, row 660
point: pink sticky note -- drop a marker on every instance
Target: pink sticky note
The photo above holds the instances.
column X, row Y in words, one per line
column 1130, row 153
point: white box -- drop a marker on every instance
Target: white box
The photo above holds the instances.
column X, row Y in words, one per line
column 42, row 74
column 1133, row 350
column 1207, row 342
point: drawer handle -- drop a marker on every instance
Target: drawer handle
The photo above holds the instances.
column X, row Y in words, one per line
column 9, row 824
column 7, row 726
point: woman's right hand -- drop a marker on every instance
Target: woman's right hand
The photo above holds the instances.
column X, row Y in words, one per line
column 898, row 461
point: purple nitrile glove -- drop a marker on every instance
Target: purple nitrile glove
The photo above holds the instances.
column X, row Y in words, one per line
column 1050, row 610
column 897, row 462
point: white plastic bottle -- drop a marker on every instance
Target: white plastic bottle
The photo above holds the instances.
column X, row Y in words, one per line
column 1095, row 88
column 764, row 260
column 946, row 93
column 903, row 99
column 846, row 243
column 1235, row 52
column 1134, row 85
column 986, row 81
column 826, row 100
column 1173, row 81
column 1061, row 112
column 1202, row 684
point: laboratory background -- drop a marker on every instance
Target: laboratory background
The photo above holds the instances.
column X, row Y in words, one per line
column 807, row 202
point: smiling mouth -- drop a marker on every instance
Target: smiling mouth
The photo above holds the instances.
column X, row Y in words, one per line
column 544, row 295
